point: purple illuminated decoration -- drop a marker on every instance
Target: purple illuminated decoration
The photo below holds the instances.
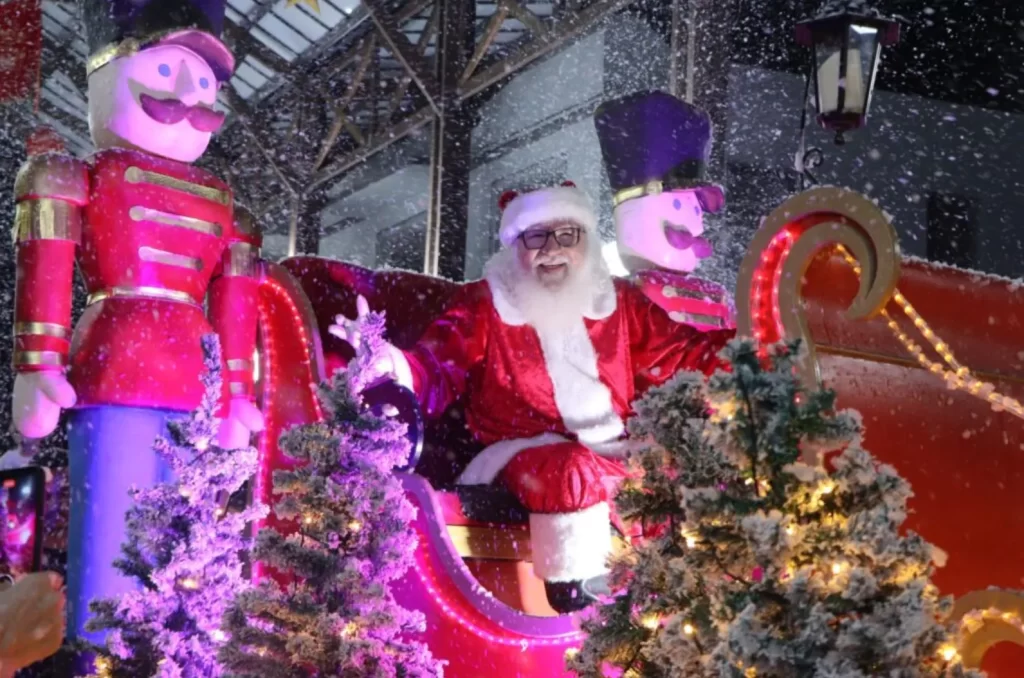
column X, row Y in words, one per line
column 183, row 545
column 351, row 537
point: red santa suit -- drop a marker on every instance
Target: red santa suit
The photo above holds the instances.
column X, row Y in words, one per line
column 551, row 406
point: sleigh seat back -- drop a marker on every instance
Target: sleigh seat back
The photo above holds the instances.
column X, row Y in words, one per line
column 471, row 577
column 487, row 525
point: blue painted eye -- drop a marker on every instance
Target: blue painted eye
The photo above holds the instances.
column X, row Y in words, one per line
column 164, row 70
column 204, row 83
column 676, row 203
column 696, row 210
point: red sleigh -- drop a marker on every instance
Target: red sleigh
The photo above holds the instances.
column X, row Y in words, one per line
column 486, row 613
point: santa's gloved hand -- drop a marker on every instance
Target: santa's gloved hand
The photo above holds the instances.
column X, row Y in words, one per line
column 39, row 398
column 236, row 429
column 351, row 330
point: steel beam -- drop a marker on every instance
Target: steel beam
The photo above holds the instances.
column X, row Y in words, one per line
column 467, row 84
column 359, row 17
column 346, row 29
column 244, row 114
column 243, row 44
column 397, row 131
column 527, row 18
column 350, row 55
column 450, row 147
column 57, row 57
column 340, row 109
column 490, row 33
column 415, row 66
column 569, row 28
column 74, row 124
column 683, row 45
column 311, row 205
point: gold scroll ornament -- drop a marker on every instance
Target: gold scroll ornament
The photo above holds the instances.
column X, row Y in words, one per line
column 769, row 288
column 986, row 619
column 770, row 307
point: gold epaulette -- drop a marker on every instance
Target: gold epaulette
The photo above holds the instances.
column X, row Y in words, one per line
column 55, row 176
column 50, row 191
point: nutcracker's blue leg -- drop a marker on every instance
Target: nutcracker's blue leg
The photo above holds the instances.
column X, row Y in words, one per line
column 110, row 450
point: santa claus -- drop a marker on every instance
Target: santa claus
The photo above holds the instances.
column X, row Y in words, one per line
column 549, row 351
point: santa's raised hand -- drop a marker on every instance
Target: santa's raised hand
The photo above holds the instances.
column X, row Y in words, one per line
column 385, row 363
column 351, row 329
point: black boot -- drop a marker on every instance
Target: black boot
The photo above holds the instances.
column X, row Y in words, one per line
column 572, row 596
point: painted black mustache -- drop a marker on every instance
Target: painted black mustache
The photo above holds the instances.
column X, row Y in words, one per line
column 173, row 111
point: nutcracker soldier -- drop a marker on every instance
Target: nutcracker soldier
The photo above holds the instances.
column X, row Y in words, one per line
column 655, row 149
column 155, row 239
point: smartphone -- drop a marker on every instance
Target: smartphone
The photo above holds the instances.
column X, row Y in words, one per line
column 22, row 494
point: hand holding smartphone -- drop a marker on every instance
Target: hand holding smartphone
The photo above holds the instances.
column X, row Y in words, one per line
column 22, row 493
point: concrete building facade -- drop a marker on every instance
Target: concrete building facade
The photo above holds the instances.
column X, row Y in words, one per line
column 950, row 175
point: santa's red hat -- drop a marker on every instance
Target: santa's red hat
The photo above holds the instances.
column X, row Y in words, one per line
column 520, row 211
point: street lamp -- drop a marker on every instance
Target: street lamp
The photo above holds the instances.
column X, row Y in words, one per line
column 846, row 45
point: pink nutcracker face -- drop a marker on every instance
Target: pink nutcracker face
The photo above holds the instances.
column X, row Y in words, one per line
column 159, row 100
column 662, row 231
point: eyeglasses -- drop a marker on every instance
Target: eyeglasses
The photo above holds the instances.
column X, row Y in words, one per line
column 538, row 240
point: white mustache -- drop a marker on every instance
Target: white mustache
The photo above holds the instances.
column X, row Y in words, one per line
column 551, row 261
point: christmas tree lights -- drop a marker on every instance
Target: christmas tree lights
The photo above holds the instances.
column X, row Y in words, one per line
column 761, row 565
column 184, row 550
column 352, row 539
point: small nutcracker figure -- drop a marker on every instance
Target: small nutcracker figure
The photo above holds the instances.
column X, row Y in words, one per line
column 655, row 149
column 165, row 256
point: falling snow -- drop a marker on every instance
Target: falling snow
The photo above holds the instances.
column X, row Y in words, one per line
column 941, row 152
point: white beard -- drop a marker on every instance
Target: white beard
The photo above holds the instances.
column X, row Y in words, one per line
column 555, row 309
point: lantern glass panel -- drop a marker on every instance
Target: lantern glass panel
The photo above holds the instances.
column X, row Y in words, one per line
column 844, row 84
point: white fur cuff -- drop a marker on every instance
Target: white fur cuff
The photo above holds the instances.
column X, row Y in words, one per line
column 401, row 370
column 571, row 546
column 485, row 467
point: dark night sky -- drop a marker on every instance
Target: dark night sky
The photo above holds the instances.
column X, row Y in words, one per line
column 963, row 51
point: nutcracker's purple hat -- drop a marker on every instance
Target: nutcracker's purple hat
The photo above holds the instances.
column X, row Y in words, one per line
column 653, row 142
column 118, row 28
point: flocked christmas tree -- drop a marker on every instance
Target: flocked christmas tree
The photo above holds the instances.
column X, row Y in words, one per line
column 184, row 548
column 354, row 538
column 764, row 565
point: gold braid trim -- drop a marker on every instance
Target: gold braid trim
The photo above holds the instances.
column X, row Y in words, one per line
column 37, row 358
column 42, row 330
column 47, row 219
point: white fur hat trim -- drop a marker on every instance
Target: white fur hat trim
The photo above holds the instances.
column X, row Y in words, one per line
column 547, row 204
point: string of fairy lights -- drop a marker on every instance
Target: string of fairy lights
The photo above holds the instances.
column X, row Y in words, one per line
column 958, row 377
